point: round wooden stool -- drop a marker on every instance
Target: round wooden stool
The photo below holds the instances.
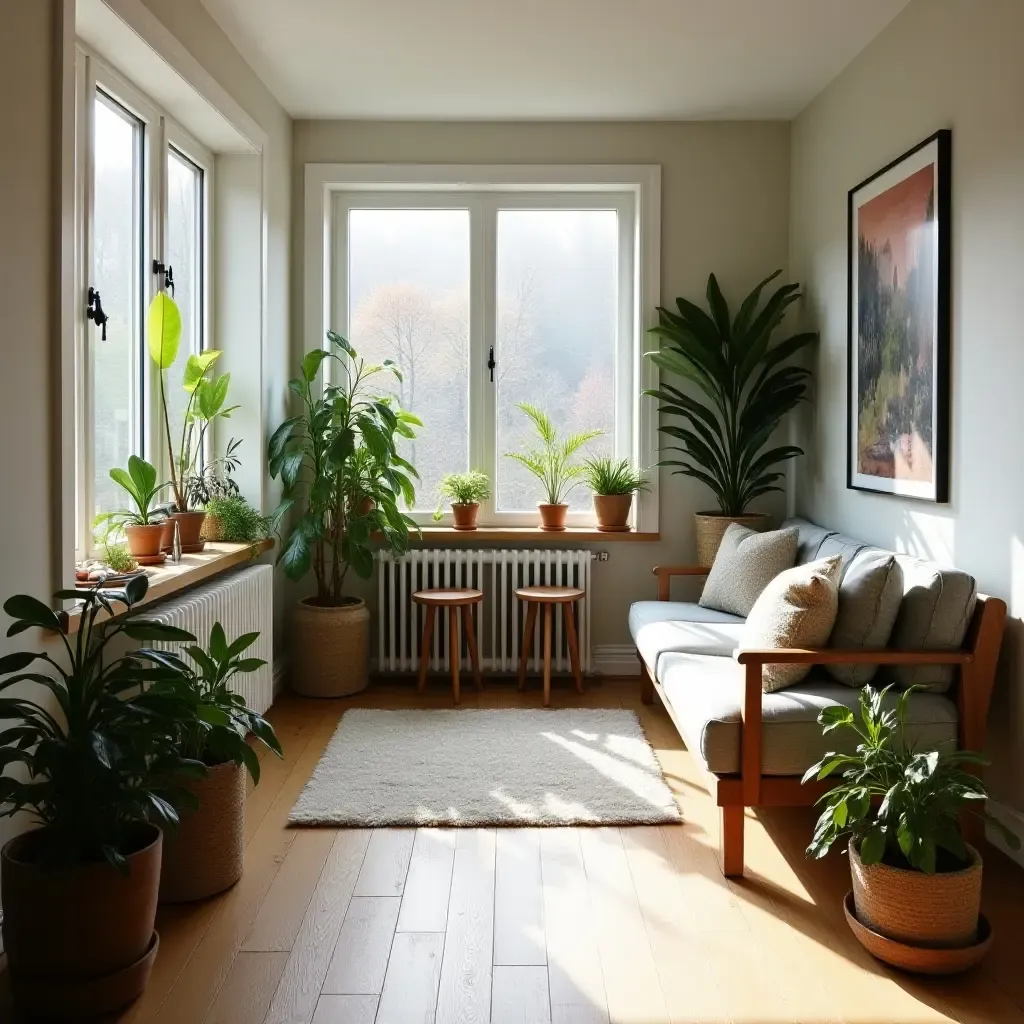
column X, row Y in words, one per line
column 534, row 597
column 452, row 598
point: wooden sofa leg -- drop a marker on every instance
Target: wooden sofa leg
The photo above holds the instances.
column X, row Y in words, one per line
column 730, row 841
column 646, row 683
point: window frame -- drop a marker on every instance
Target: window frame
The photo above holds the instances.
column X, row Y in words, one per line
column 333, row 190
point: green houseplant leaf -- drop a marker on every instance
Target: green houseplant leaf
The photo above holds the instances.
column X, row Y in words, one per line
column 163, row 331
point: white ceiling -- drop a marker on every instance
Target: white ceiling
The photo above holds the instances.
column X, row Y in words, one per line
column 549, row 59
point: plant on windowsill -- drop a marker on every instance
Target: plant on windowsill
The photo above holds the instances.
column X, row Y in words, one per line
column 465, row 491
column 898, row 809
column 212, row 483
column 342, row 481
column 237, row 522
column 204, row 855
column 613, row 483
column 207, row 394
column 94, row 752
column 142, row 524
column 552, row 464
column 750, row 389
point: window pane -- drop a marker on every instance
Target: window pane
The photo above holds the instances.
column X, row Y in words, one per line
column 117, row 245
column 557, row 320
column 409, row 302
column 183, row 253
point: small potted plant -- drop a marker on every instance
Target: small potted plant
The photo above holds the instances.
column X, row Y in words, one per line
column 916, row 883
column 213, row 483
column 237, row 521
column 204, row 854
column 142, row 524
column 95, row 751
column 613, row 484
column 552, row 464
column 465, row 491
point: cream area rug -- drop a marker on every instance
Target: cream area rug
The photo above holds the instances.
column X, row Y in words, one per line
column 476, row 767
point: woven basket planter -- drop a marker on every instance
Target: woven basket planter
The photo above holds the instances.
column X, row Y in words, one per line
column 939, row 911
column 711, row 527
column 212, row 528
column 330, row 649
column 205, row 854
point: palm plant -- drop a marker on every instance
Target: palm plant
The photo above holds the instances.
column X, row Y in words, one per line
column 552, row 464
column 734, row 363
column 605, row 476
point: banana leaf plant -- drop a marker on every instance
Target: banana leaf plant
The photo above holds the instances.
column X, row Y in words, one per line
column 207, row 393
column 749, row 384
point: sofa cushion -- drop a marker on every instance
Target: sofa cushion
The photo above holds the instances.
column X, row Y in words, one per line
column 660, row 626
column 845, row 547
column 809, row 537
column 869, row 600
column 706, row 695
column 934, row 615
column 747, row 561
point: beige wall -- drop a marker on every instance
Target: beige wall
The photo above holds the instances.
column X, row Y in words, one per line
column 955, row 64
column 725, row 208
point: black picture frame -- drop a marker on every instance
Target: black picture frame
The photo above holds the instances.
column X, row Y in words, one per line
column 911, row 452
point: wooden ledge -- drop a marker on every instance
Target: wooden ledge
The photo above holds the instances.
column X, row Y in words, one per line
column 169, row 578
column 523, row 535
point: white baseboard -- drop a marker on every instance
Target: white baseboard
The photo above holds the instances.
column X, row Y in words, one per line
column 615, row 660
column 1013, row 820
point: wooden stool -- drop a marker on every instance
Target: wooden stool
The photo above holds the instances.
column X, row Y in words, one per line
column 534, row 597
column 452, row 598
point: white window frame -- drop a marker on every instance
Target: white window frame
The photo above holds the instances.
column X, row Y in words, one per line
column 160, row 133
column 634, row 192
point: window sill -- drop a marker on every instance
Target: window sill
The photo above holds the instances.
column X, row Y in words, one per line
column 524, row 534
column 169, row 578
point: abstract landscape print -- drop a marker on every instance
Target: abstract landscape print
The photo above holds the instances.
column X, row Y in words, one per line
column 899, row 326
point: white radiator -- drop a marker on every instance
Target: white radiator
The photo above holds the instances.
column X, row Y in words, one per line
column 498, row 620
column 242, row 602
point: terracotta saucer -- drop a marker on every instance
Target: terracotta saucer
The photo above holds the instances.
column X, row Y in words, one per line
column 150, row 559
column 919, row 959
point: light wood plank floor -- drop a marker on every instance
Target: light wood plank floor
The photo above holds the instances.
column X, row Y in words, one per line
column 569, row 926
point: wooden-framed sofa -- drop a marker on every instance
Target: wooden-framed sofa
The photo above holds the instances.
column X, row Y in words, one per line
column 753, row 747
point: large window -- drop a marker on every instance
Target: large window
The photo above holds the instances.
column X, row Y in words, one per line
column 143, row 214
column 487, row 298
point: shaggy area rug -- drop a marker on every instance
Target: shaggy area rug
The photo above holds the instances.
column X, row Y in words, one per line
column 476, row 767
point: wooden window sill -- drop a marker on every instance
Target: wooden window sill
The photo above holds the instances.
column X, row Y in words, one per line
column 169, row 578
column 523, row 534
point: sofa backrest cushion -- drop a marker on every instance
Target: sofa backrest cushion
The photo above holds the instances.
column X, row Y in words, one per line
column 809, row 538
column 747, row 561
column 846, row 548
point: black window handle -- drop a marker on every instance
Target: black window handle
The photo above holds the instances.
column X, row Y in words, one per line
column 94, row 312
column 491, row 364
column 168, row 272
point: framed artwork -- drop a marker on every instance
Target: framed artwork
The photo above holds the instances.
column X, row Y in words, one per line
column 898, row 346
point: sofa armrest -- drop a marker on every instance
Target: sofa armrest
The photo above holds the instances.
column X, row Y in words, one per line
column 836, row 656
column 666, row 572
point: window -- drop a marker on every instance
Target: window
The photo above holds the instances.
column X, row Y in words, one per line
column 143, row 209
column 488, row 296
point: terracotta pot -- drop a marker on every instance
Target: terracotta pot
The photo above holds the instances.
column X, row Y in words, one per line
column 205, row 854
column 365, row 507
column 190, row 528
column 144, row 541
column 612, row 511
column 711, row 527
column 330, row 649
column 552, row 517
column 939, row 910
column 79, row 940
column 465, row 516
column 167, row 540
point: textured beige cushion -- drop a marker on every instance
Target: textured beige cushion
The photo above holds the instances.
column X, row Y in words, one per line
column 869, row 601
column 797, row 609
column 746, row 563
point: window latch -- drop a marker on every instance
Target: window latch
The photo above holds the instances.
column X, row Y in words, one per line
column 94, row 312
column 491, row 364
column 168, row 272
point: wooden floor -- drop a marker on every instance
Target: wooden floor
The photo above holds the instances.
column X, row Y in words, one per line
column 573, row 926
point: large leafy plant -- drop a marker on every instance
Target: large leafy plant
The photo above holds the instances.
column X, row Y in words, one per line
column 733, row 362
column 900, row 805
column 96, row 749
column 207, row 393
column 339, row 463
column 553, row 463
column 139, row 482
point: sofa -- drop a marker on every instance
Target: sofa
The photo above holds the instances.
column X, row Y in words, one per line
column 753, row 746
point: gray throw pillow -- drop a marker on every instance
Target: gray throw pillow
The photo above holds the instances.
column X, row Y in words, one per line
column 869, row 601
column 747, row 561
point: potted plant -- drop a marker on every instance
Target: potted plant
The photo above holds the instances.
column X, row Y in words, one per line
column 898, row 809
column 237, row 521
column 552, row 465
column 206, row 397
column 204, row 855
column 613, row 484
column 142, row 524
column 343, row 443
column 94, row 751
column 214, row 482
column 749, row 388
column 465, row 491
